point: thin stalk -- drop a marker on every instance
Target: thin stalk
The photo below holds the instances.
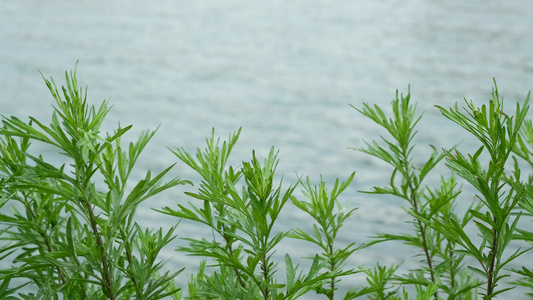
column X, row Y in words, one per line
column 425, row 246
column 332, row 267
column 49, row 248
column 414, row 201
column 494, row 250
column 264, row 265
column 105, row 266
column 46, row 238
column 81, row 170
column 229, row 244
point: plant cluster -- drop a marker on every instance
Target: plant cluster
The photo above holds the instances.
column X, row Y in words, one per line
column 68, row 229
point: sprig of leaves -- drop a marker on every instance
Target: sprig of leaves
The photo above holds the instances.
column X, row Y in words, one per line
column 442, row 266
column 499, row 194
column 69, row 233
column 241, row 206
column 323, row 206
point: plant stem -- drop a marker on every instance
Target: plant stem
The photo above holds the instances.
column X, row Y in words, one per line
column 421, row 228
column 229, row 244
column 424, row 239
column 84, row 185
column 49, row 248
column 45, row 237
column 107, row 275
column 494, row 250
column 264, row 261
column 332, row 267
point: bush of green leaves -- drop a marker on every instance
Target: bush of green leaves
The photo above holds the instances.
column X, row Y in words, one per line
column 69, row 229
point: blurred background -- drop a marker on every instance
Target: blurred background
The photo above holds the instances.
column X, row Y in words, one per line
column 284, row 71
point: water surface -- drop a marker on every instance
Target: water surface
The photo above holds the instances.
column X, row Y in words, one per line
column 284, row 72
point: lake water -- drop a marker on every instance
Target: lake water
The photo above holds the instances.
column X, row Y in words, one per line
column 284, row 71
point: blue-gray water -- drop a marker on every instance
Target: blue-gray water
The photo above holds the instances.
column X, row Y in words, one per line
column 284, row 71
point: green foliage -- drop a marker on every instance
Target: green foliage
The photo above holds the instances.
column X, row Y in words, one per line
column 378, row 279
column 68, row 227
column 242, row 224
column 442, row 266
column 499, row 194
column 329, row 215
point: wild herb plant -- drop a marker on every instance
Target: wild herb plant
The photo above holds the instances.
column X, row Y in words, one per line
column 325, row 209
column 525, row 272
column 68, row 226
column 379, row 280
column 242, row 223
column 69, row 230
column 499, row 190
column 524, row 149
column 442, row 267
column 421, row 293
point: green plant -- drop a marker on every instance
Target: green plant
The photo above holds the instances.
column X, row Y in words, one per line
column 443, row 267
column 329, row 215
column 71, row 231
column 68, row 227
column 498, row 191
column 379, row 287
column 243, row 228
column 524, row 149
